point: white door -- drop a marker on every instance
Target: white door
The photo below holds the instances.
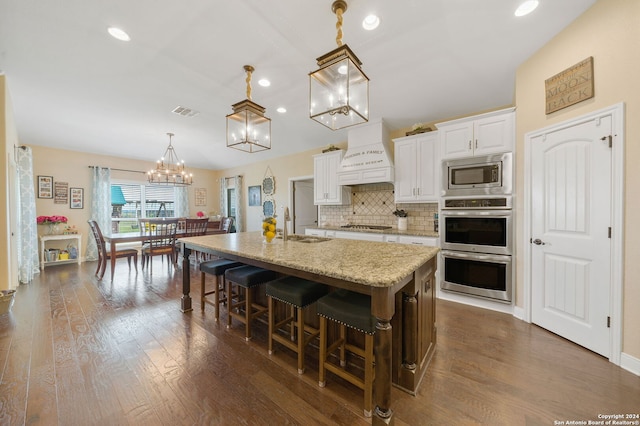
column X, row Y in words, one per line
column 571, row 247
column 305, row 213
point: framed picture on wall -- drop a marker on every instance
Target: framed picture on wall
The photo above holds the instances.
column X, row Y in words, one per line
column 255, row 195
column 45, row 186
column 201, row 196
column 60, row 192
column 76, row 198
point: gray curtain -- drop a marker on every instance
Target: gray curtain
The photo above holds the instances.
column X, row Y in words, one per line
column 28, row 259
column 239, row 203
column 100, row 206
column 182, row 201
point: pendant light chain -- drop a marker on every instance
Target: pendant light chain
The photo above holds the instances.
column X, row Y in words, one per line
column 249, row 69
column 339, row 12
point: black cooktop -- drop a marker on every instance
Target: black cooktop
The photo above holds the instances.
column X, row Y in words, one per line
column 378, row 227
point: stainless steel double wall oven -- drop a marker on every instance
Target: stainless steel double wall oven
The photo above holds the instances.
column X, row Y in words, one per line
column 477, row 226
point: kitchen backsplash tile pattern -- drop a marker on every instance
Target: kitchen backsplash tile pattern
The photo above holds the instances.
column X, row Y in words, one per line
column 373, row 205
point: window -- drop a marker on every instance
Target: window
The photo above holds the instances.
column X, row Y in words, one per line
column 231, row 202
column 130, row 202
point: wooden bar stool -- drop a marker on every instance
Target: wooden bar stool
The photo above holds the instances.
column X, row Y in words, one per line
column 217, row 268
column 298, row 293
column 245, row 277
column 353, row 310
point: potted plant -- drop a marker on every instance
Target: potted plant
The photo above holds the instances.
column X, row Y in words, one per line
column 402, row 219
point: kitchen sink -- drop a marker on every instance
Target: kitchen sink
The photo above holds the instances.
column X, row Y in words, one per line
column 306, row 238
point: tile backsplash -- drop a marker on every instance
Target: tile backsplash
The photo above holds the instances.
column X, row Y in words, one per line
column 373, row 204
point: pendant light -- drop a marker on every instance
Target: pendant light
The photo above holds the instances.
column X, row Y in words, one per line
column 169, row 169
column 339, row 90
column 247, row 128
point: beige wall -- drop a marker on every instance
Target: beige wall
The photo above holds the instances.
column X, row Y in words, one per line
column 283, row 169
column 610, row 32
column 73, row 167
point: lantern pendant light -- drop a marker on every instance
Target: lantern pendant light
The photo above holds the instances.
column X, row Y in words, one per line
column 339, row 90
column 247, row 128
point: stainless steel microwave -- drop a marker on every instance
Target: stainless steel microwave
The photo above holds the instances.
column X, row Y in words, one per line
column 482, row 175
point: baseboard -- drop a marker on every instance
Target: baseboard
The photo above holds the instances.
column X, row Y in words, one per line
column 630, row 363
column 518, row 312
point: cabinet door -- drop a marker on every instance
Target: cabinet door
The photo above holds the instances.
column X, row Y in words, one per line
column 405, row 179
column 456, row 140
column 334, row 190
column 319, row 180
column 428, row 169
column 494, row 134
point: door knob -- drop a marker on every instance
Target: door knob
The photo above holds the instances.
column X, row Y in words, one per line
column 538, row 242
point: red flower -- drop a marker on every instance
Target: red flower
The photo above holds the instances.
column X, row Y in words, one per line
column 200, row 214
column 51, row 219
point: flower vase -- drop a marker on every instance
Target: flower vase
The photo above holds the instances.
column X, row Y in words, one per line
column 53, row 229
column 402, row 224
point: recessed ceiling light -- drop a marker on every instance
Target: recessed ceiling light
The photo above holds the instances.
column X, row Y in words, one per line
column 526, row 7
column 118, row 33
column 264, row 82
column 281, row 110
column 371, row 22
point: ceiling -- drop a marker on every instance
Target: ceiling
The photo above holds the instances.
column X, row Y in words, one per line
column 75, row 87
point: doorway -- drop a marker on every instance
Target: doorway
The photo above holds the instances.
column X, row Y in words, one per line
column 304, row 213
column 573, row 205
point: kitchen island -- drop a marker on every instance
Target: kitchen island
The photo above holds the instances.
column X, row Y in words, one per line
column 399, row 278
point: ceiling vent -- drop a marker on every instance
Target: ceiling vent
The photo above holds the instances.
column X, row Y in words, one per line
column 184, row 111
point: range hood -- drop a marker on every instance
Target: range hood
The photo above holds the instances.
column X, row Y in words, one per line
column 368, row 159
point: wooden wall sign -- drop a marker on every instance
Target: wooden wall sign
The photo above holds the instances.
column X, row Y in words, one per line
column 573, row 85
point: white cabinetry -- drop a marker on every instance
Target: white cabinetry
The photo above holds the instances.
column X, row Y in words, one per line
column 326, row 190
column 418, row 241
column 489, row 133
column 418, row 172
column 58, row 242
column 360, row 236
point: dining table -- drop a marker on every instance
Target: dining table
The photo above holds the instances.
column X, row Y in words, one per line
column 399, row 278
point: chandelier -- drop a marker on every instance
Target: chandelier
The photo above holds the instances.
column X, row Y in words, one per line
column 247, row 128
column 169, row 169
column 339, row 90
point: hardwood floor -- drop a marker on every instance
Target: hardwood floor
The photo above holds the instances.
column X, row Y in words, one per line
column 77, row 351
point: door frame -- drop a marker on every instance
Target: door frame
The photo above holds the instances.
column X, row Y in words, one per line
column 292, row 181
column 617, row 112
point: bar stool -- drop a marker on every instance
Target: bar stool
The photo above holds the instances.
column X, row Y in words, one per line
column 353, row 310
column 246, row 277
column 298, row 293
column 217, row 268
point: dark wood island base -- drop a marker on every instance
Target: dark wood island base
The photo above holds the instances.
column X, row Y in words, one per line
column 399, row 278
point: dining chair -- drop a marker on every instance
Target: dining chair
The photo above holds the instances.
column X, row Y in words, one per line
column 226, row 224
column 104, row 254
column 160, row 241
column 195, row 228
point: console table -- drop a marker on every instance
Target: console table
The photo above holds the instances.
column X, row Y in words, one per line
column 44, row 239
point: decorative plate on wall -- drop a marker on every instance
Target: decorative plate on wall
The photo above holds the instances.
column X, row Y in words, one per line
column 268, row 185
column 268, row 208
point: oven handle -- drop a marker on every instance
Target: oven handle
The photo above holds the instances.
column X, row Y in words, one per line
column 473, row 212
column 477, row 256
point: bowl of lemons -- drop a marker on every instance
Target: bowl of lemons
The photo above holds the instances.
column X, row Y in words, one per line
column 269, row 228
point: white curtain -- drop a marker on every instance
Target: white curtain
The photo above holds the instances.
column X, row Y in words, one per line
column 239, row 222
column 100, row 206
column 28, row 259
column 182, row 201
column 223, row 197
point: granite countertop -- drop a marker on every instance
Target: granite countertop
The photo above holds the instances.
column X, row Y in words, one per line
column 363, row 262
column 392, row 231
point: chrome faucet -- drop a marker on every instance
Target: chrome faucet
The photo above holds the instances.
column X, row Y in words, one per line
column 287, row 218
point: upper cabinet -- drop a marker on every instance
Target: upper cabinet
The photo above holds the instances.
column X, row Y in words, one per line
column 326, row 190
column 417, row 162
column 489, row 133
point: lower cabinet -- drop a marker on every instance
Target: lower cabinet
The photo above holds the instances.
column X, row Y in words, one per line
column 364, row 236
column 367, row 236
column 415, row 317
